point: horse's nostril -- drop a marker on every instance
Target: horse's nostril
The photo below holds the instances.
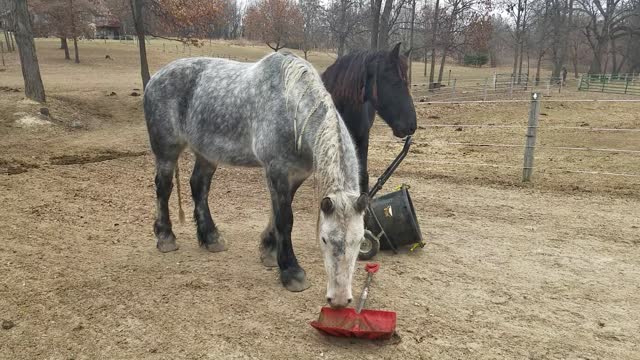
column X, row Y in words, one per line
column 329, row 300
column 349, row 301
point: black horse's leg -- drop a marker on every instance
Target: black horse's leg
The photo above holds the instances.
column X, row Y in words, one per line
column 292, row 275
column 268, row 248
column 165, row 239
column 362, row 152
column 208, row 234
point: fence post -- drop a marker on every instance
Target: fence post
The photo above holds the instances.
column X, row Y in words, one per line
column 495, row 80
column 549, row 86
column 453, row 88
column 484, row 91
column 449, row 78
column 530, row 144
column 2, row 52
column 626, row 81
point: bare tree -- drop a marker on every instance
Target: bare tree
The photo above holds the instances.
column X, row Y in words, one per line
column 518, row 13
column 559, row 24
column 434, row 39
column 343, row 19
column 278, row 23
column 311, row 10
column 66, row 19
column 454, row 24
column 17, row 13
column 413, row 22
column 607, row 21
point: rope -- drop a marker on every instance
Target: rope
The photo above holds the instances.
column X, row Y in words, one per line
column 526, row 100
column 524, row 146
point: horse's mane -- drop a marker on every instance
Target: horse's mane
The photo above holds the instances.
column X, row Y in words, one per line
column 346, row 76
column 301, row 80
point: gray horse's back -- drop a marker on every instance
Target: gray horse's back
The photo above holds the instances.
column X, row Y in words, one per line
column 191, row 102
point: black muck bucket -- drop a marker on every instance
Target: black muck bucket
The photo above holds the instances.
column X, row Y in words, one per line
column 390, row 220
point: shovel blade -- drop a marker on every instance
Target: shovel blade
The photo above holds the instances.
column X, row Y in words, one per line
column 369, row 324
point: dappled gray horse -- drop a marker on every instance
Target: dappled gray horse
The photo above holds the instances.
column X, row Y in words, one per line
column 274, row 114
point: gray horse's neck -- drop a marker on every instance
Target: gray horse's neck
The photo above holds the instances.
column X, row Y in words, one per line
column 318, row 124
column 335, row 160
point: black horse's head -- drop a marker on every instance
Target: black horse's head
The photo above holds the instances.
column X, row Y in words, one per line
column 387, row 88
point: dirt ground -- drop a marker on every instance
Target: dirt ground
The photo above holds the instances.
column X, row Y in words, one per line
column 547, row 270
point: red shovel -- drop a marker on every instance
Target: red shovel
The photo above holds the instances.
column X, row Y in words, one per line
column 349, row 322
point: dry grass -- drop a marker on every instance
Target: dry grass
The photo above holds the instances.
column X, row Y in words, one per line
column 542, row 271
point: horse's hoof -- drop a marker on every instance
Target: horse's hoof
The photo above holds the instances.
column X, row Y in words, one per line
column 216, row 247
column 268, row 258
column 215, row 243
column 167, row 246
column 294, row 280
column 165, row 241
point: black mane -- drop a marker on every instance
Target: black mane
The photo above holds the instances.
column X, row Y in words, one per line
column 345, row 78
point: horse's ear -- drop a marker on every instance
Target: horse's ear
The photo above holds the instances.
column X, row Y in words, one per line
column 395, row 52
column 362, row 203
column 326, row 205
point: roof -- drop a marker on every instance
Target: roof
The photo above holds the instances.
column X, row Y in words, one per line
column 107, row 21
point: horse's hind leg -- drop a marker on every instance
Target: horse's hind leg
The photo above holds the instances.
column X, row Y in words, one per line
column 208, row 234
column 165, row 238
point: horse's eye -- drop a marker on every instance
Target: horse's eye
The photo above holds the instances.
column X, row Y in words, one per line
column 324, row 241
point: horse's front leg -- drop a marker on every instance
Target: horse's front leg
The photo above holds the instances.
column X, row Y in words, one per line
column 268, row 246
column 292, row 275
column 363, row 152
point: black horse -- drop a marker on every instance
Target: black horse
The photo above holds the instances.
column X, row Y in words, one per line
column 365, row 82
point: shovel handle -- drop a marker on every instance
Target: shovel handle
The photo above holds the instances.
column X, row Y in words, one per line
column 371, row 269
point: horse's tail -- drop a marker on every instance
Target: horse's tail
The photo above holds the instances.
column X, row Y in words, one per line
column 180, row 211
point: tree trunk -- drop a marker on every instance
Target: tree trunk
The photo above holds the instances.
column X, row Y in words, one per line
column 136, row 9
column 614, row 57
column 521, row 60
column 442, row 61
column 12, row 37
column 596, row 63
column 383, row 37
column 65, row 46
column 434, row 38
column 538, row 66
column 342, row 41
column 517, row 39
column 425, row 62
column 375, row 23
column 7, row 41
column 33, row 87
column 574, row 61
column 75, row 49
column 413, row 20
column 564, row 46
column 493, row 62
column 62, row 43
